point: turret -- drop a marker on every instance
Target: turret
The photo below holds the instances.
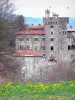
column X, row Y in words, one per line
column 47, row 13
column 55, row 15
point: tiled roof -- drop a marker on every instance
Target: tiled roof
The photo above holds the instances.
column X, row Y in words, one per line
column 39, row 30
column 71, row 32
column 31, row 32
column 39, row 26
column 27, row 53
column 70, row 35
column 71, row 29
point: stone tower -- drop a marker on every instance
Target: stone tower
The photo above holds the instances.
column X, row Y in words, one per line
column 53, row 32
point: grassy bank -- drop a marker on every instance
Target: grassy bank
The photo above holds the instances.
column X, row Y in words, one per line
column 29, row 91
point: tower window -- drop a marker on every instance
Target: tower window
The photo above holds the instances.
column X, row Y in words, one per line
column 48, row 22
column 52, row 39
column 51, row 26
column 51, row 33
column 63, row 32
column 52, row 48
column 69, row 47
column 73, row 47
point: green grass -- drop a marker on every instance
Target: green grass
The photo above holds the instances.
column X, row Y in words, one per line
column 29, row 91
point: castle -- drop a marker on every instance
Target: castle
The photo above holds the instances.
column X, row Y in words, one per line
column 51, row 41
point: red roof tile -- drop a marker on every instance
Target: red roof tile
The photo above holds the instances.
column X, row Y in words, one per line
column 28, row 31
column 27, row 53
column 32, row 32
column 39, row 26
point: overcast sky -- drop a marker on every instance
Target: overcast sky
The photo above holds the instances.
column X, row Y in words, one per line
column 36, row 8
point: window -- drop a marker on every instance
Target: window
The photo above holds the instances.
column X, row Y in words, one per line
column 21, row 47
column 44, row 55
column 27, row 47
column 52, row 48
column 51, row 33
column 27, row 39
column 73, row 40
column 51, row 27
column 45, row 23
column 73, row 47
column 63, row 32
column 36, row 39
column 48, row 22
column 53, row 22
column 52, row 39
column 43, row 47
column 36, row 48
column 51, row 57
column 43, row 39
column 69, row 47
column 21, row 38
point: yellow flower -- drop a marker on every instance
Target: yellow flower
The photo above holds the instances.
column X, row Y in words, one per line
column 8, row 84
column 71, row 85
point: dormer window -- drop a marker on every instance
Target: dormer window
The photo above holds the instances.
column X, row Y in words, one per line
column 36, row 39
column 21, row 38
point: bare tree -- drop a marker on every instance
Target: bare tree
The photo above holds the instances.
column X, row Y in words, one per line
column 6, row 8
column 20, row 23
column 10, row 68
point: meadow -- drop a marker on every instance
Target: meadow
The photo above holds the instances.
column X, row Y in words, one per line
column 38, row 91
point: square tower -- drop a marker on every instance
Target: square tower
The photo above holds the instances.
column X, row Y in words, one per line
column 53, row 28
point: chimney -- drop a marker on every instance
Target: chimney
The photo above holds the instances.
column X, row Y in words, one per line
column 47, row 13
column 32, row 24
column 39, row 24
column 70, row 26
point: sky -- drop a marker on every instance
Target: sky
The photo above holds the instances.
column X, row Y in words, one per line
column 36, row 8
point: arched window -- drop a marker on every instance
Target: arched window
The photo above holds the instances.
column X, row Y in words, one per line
column 69, row 47
column 51, row 33
column 21, row 47
column 73, row 47
column 52, row 48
